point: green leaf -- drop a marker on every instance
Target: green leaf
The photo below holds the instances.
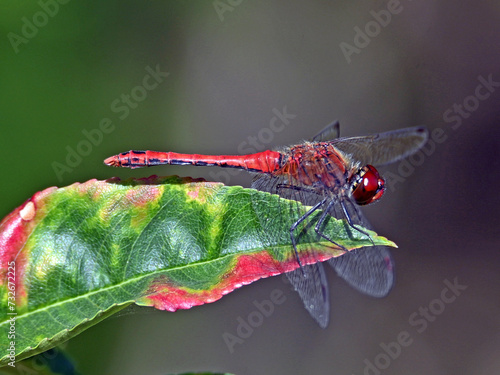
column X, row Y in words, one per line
column 71, row 257
column 52, row 362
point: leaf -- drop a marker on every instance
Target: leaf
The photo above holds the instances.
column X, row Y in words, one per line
column 52, row 362
column 76, row 255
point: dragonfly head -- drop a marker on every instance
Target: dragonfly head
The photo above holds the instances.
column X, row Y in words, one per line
column 368, row 185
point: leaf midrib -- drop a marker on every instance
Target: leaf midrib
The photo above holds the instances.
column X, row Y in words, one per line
column 133, row 279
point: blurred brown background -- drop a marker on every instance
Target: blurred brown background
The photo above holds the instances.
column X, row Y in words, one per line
column 230, row 64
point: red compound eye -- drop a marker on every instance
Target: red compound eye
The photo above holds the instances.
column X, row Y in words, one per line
column 368, row 186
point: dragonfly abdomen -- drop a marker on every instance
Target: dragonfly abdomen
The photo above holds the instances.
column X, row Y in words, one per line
column 266, row 161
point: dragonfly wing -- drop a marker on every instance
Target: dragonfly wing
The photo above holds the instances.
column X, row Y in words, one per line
column 369, row 270
column 311, row 284
column 329, row 132
column 383, row 148
column 310, row 280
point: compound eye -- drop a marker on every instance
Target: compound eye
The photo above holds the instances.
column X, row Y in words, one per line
column 368, row 187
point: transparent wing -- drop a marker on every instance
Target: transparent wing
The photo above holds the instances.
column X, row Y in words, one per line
column 309, row 281
column 369, row 270
column 383, row 148
column 311, row 284
column 329, row 132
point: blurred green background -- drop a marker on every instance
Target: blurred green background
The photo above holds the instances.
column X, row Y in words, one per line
column 230, row 64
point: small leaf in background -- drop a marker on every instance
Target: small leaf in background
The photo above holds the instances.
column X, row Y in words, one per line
column 71, row 257
column 54, row 361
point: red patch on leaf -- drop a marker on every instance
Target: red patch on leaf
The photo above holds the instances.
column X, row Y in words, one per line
column 15, row 230
column 142, row 194
column 165, row 295
column 193, row 194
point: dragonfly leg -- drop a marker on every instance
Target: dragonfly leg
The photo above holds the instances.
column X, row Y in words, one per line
column 320, row 222
column 296, row 188
column 297, row 223
column 351, row 224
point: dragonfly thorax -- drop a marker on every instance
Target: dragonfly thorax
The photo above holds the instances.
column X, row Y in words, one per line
column 318, row 165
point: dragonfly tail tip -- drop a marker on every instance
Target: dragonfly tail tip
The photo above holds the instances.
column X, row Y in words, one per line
column 112, row 161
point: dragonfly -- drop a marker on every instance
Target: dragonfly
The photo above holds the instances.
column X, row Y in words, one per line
column 333, row 177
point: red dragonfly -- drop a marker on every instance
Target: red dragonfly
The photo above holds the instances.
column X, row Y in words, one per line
column 332, row 175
